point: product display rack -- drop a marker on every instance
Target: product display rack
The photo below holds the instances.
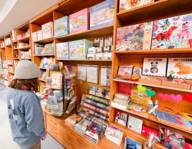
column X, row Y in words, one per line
column 61, row 131
column 153, row 11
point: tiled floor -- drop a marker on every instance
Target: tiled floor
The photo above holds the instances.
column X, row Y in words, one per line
column 5, row 134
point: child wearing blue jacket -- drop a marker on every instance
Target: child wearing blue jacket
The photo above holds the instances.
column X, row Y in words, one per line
column 24, row 109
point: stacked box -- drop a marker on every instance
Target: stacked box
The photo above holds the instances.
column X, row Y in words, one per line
column 175, row 32
column 62, row 51
column 79, row 21
column 102, row 14
column 47, row 30
column 134, row 37
column 61, row 26
column 78, row 49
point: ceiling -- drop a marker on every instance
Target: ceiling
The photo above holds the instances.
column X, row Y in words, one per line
column 14, row 13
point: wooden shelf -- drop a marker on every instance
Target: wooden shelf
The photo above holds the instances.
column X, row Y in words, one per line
column 87, row 34
column 44, row 41
column 152, row 85
column 45, row 55
column 26, row 39
column 154, row 11
column 25, row 58
column 86, row 60
column 24, row 48
column 135, row 135
column 156, row 51
column 159, row 121
column 42, row 80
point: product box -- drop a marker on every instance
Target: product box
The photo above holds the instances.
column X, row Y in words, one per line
column 47, row 30
column 78, row 49
column 132, row 144
column 39, row 35
column 180, row 67
column 175, row 32
column 134, row 37
column 148, row 80
column 62, row 51
column 102, row 14
column 79, row 21
column 125, row 72
column 130, row 4
column 61, row 26
column 135, row 124
column 121, row 118
column 155, row 66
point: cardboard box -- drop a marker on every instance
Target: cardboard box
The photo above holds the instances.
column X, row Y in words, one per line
column 62, row 51
column 79, row 21
column 102, row 14
column 47, row 30
column 61, row 26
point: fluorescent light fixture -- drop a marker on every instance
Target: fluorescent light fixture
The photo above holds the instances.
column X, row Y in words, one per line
column 6, row 8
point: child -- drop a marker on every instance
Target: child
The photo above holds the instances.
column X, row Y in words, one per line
column 24, row 109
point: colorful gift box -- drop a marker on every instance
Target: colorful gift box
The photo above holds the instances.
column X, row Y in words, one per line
column 62, row 51
column 47, row 30
column 180, row 68
column 61, row 26
column 78, row 21
column 130, row 4
column 134, row 37
column 155, row 66
column 102, row 14
column 78, row 49
column 175, row 32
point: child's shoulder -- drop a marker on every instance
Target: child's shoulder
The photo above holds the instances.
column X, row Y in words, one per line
column 21, row 93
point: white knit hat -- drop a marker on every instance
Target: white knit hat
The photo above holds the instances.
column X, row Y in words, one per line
column 26, row 69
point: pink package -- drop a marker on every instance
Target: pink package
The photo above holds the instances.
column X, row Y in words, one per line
column 79, row 21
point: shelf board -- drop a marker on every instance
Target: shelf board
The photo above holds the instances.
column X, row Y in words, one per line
column 24, row 48
column 25, row 39
column 87, row 34
column 42, row 80
column 45, row 55
column 159, row 121
column 152, row 85
column 44, row 41
column 85, row 60
column 155, row 10
column 25, row 58
column 156, row 51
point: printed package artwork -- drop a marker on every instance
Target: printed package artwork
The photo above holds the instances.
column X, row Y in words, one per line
column 78, row 49
column 61, row 26
column 62, row 51
column 102, row 14
column 129, row 4
column 78, row 21
column 155, row 66
column 134, row 37
column 175, row 32
column 47, row 30
column 180, row 68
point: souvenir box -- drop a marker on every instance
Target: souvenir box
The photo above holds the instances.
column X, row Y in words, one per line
column 180, row 67
column 130, row 4
column 47, row 30
column 125, row 72
column 61, row 26
column 78, row 49
column 79, row 21
column 132, row 144
column 155, row 66
column 62, row 51
column 175, row 32
column 39, row 35
column 135, row 124
column 34, row 36
column 121, row 118
column 102, row 14
column 56, row 80
column 134, row 37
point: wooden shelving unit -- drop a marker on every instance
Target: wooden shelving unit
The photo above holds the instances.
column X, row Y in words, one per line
column 153, row 11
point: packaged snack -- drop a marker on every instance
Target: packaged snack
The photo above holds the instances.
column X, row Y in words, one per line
column 47, row 30
column 78, row 21
column 62, row 51
column 78, row 49
column 61, row 26
column 175, row 32
column 125, row 72
column 155, row 66
column 180, row 67
column 121, row 118
column 102, row 14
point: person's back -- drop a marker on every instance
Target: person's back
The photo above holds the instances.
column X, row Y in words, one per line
column 24, row 109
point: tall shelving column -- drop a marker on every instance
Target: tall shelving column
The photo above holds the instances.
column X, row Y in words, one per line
column 149, row 12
